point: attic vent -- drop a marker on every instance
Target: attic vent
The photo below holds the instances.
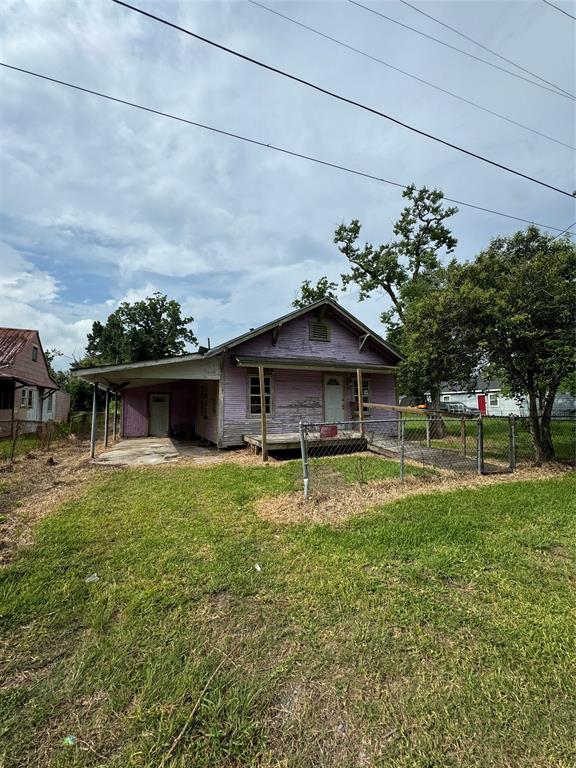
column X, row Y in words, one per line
column 319, row 332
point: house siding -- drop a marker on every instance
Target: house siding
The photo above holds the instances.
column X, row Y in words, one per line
column 294, row 341
column 297, row 395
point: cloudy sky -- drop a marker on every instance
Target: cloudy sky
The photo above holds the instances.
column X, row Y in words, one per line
column 100, row 202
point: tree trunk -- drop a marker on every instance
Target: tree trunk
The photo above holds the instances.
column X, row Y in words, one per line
column 437, row 427
column 540, row 427
column 545, row 425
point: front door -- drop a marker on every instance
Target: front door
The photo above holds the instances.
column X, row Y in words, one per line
column 333, row 399
column 159, row 424
column 482, row 404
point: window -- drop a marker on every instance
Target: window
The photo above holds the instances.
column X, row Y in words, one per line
column 319, row 332
column 6, row 396
column 365, row 396
column 254, row 394
column 49, row 400
column 446, row 398
column 26, row 401
column 34, row 353
column 493, row 399
column 204, row 401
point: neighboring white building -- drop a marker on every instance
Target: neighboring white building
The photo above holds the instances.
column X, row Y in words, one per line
column 488, row 398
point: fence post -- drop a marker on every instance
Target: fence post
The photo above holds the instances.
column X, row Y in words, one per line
column 512, row 441
column 428, row 430
column 463, row 434
column 480, row 446
column 304, row 452
column 402, row 457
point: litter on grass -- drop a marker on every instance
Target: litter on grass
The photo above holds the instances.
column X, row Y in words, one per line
column 92, row 578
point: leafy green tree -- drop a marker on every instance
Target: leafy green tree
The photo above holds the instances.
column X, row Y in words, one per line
column 310, row 293
column 145, row 330
column 435, row 352
column 405, row 267
column 510, row 312
column 522, row 294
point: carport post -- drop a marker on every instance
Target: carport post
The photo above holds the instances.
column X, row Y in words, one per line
column 106, row 417
column 115, row 416
column 93, row 425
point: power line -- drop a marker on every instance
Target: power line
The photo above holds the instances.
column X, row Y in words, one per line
column 559, row 9
column 459, row 50
column 344, row 99
column 564, row 231
column 485, row 47
column 263, row 144
column 408, row 74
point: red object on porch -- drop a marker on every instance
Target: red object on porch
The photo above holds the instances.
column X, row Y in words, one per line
column 482, row 404
column 328, row 430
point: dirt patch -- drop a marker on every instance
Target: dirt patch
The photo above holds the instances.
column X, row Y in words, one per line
column 336, row 506
column 34, row 485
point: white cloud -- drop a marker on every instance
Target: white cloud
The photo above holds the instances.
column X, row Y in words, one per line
column 102, row 202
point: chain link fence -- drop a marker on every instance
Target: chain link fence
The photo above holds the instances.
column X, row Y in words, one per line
column 338, row 454
column 19, row 438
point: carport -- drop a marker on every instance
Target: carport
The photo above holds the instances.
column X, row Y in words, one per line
column 159, row 397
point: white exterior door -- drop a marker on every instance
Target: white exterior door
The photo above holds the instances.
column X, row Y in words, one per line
column 159, row 423
column 334, row 399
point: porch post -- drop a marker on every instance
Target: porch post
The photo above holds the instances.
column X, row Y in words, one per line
column 93, row 425
column 115, row 416
column 360, row 400
column 263, row 413
column 40, row 405
column 106, row 416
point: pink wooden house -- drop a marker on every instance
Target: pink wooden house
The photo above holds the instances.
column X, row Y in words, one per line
column 310, row 362
column 27, row 392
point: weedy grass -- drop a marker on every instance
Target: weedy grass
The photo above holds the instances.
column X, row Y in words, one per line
column 434, row 631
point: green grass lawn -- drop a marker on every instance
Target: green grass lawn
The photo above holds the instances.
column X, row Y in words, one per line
column 435, row 631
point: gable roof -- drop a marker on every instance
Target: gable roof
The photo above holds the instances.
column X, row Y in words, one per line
column 93, row 372
column 347, row 316
column 12, row 342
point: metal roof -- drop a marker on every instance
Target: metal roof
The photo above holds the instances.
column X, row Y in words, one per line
column 12, row 341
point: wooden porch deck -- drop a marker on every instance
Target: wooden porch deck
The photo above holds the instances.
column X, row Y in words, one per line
column 290, row 441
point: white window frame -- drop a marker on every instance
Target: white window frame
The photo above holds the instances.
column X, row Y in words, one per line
column 493, row 399
column 445, row 398
column 49, row 402
column 253, row 392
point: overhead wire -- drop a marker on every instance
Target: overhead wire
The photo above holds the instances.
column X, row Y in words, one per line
column 484, row 47
column 378, row 60
column 343, row 99
column 461, row 51
column 263, row 144
column 557, row 7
